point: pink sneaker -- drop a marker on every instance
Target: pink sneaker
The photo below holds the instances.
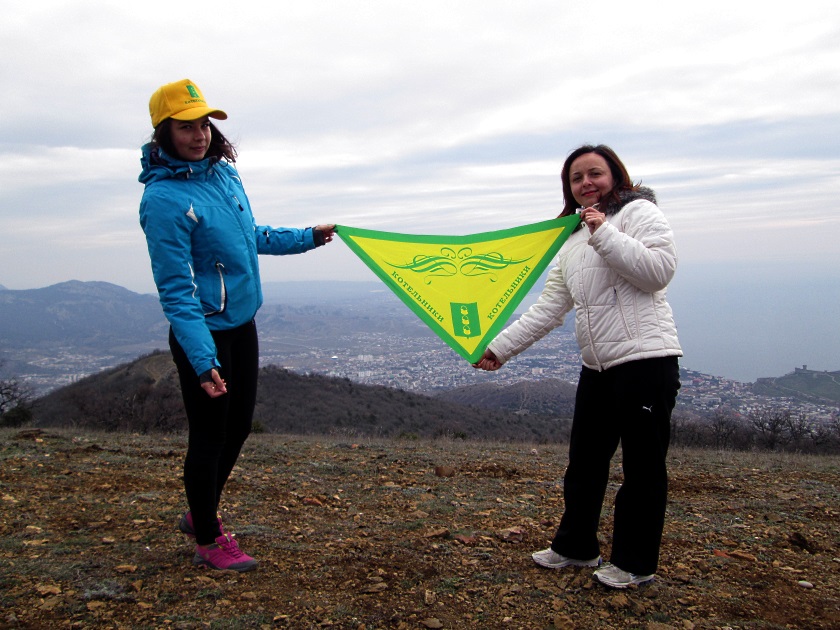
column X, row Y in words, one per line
column 186, row 525
column 224, row 554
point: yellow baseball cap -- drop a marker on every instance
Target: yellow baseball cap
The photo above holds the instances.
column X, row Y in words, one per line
column 181, row 100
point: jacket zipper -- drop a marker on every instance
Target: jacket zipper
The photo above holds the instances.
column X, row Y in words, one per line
column 586, row 309
column 249, row 241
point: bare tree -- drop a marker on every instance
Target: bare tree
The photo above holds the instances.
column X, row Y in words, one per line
column 800, row 430
column 686, row 430
column 834, row 429
column 826, row 436
column 723, row 426
column 771, row 426
column 16, row 401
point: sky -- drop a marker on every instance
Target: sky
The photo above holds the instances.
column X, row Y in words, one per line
column 444, row 117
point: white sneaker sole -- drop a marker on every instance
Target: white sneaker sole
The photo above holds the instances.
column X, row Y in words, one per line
column 638, row 581
column 566, row 563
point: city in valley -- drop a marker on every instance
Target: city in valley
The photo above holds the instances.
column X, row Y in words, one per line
column 372, row 341
column 424, row 364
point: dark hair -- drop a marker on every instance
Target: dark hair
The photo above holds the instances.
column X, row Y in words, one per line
column 617, row 169
column 220, row 147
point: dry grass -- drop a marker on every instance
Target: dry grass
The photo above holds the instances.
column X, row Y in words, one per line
column 366, row 535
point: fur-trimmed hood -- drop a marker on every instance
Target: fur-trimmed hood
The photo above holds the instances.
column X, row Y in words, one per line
column 625, row 197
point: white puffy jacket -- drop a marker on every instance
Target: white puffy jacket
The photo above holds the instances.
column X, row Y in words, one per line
column 616, row 281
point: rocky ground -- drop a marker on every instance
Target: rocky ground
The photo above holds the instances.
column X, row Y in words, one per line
column 399, row 535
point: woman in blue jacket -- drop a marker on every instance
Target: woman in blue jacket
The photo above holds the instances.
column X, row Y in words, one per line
column 203, row 244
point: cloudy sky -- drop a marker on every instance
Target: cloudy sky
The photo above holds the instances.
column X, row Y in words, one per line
column 433, row 117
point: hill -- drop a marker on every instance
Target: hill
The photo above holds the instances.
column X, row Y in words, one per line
column 144, row 396
column 84, row 315
column 803, row 384
column 102, row 316
column 547, row 396
column 353, row 535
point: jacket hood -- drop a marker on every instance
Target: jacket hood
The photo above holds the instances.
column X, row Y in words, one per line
column 157, row 165
column 626, row 196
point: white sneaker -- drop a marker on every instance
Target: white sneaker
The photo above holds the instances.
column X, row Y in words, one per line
column 610, row 575
column 550, row 559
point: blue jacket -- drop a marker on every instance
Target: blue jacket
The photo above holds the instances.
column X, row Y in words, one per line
column 203, row 244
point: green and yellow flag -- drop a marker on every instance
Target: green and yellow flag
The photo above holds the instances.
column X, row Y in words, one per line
column 464, row 288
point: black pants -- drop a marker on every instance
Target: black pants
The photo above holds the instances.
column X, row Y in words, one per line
column 629, row 404
column 218, row 427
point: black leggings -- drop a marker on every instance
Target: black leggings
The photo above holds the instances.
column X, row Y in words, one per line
column 218, row 427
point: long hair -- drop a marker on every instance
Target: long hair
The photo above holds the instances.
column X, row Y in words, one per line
column 619, row 174
column 220, row 147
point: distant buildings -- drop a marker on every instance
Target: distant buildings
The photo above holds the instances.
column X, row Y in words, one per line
column 422, row 363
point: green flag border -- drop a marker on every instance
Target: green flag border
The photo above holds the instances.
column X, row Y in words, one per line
column 568, row 222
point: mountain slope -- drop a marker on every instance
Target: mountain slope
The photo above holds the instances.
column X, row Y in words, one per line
column 144, row 396
column 78, row 314
column 547, row 396
column 802, row 383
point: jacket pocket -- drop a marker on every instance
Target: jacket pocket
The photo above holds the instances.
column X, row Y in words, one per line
column 622, row 316
column 222, row 292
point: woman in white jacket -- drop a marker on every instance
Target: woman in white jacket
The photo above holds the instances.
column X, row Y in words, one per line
column 613, row 271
